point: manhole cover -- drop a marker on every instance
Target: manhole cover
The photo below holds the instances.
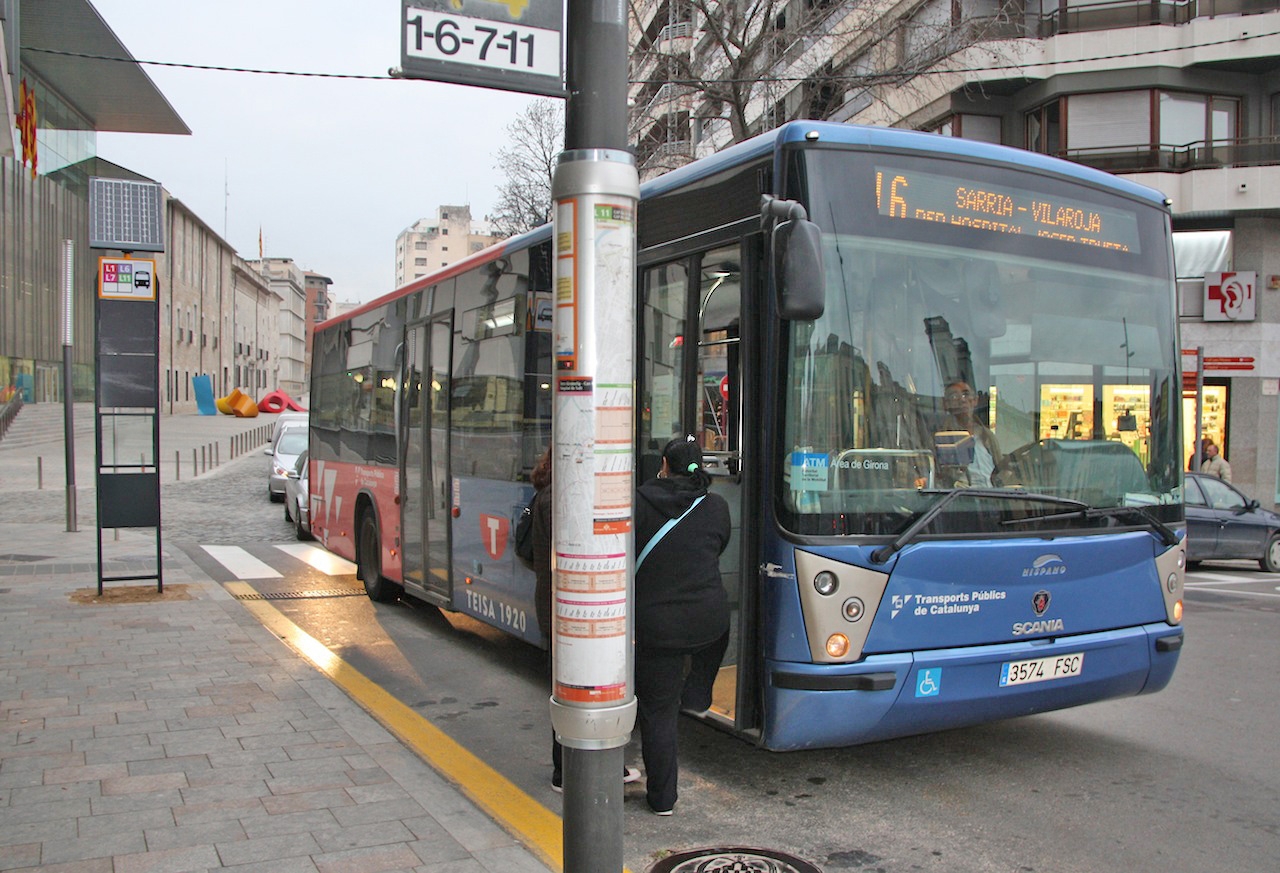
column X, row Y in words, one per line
column 732, row 860
column 24, row 559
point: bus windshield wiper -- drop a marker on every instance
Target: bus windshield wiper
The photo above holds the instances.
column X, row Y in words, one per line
column 1146, row 519
column 885, row 552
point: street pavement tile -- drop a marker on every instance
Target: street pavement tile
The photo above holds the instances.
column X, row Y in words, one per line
column 267, row 848
column 438, row 849
column 179, row 860
column 189, row 764
column 266, row 825
column 91, row 865
column 217, row 791
column 308, row 782
column 244, row 774
column 195, row 834
column 340, row 745
column 125, row 842
column 25, row 855
column 378, row 791
column 509, row 859
column 18, row 759
column 143, row 784
column 108, row 751
column 49, row 811
column 37, row 832
column 135, row 802
column 376, row 859
column 283, row 865
column 384, row 810
column 54, row 793
column 384, row 833
column 242, row 809
column 308, row 767
column 328, row 799
column 86, row 773
column 96, row 825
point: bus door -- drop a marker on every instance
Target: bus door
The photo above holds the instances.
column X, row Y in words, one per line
column 424, row 489
column 691, row 374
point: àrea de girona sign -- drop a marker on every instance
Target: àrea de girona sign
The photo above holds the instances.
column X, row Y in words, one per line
column 514, row 45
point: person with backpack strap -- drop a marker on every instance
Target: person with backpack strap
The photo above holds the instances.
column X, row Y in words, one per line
column 682, row 610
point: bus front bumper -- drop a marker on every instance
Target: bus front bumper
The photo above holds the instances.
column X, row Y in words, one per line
column 885, row 696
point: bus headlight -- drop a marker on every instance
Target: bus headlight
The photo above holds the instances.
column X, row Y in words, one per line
column 826, row 583
column 1177, row 611
column 837, row 645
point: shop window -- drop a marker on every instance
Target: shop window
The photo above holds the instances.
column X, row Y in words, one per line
column 1214, row 423
column 1196, row 252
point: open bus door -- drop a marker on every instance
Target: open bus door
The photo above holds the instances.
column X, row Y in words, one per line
column 424, row 469
column 691, row 379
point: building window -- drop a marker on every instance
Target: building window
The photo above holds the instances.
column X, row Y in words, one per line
column 1044, row 129
column 419, row 262
column 1196, row 252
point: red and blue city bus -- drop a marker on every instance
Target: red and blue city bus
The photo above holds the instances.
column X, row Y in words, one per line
column 956, row 491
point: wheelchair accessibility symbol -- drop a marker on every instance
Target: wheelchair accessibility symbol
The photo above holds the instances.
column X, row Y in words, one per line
column 929, row 682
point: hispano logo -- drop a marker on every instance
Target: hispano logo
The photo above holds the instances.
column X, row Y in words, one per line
column 1045, row 565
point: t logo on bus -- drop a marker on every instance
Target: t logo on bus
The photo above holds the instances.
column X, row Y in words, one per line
column 1040, row 602
column 494, row 532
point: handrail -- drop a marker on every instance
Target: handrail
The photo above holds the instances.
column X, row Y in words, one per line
column 1169, row 158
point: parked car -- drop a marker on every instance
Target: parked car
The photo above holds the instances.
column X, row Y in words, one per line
column 288, row 419
column 297, row 498
column 1223, row 523
column 284, row 454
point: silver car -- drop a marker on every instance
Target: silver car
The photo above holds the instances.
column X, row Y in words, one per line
column 297, row 498
column 292, row 442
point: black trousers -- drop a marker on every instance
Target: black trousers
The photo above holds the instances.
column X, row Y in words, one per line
column 667, row 681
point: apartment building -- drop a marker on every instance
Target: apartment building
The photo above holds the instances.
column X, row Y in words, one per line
column 429, row 244
column 318, row 308
column 287, row 370
column 1182, row 96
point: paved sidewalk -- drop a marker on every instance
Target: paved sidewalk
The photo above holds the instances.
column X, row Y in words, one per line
column 174, row 732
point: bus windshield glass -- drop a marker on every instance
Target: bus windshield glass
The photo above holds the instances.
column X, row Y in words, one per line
column 985, row 328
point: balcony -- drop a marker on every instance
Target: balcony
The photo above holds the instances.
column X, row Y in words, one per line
column 1141, row 13
column 1163, row 158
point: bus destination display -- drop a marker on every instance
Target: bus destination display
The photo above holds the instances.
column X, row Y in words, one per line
column 1003, row 209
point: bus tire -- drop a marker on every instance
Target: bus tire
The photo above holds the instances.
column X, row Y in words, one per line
column 379, row 588
column 1270, row 560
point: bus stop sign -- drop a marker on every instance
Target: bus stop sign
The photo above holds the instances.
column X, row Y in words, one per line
column 514, row 45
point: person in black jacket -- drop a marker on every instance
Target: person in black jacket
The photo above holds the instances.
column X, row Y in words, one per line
column 682, row 611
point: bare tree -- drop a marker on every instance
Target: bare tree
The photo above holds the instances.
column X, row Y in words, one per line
column 536, row 138
column 703, row 69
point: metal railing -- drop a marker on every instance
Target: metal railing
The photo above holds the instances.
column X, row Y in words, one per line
column 1165, row 158
column 9, row 411
column 1141, row 13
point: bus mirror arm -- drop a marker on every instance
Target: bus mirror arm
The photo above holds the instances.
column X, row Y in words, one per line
column 796, row 247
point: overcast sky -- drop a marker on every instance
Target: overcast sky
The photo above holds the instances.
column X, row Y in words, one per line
column 330, row 169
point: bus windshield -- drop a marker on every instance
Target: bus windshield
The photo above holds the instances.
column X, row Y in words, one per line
column 985, row 329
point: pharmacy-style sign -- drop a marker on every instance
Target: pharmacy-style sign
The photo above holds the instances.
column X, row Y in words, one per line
column 514, row 45
column 127, row 278
column 1230, row 296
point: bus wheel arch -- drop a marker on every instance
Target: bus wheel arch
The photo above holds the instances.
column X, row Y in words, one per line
column 369, row 554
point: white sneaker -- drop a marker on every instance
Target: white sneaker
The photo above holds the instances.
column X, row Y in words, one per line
column 629, row 775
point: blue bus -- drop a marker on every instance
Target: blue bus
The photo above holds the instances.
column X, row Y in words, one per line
column 955, row 482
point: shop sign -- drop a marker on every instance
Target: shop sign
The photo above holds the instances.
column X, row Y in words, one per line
column 1230, row 296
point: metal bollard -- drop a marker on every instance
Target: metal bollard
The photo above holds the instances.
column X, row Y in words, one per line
column 216, row 461
column 204, row 460
column 177, row 466
column 39, row 473
column 195, row 464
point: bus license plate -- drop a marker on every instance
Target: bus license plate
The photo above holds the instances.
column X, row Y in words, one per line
column 1041, row 669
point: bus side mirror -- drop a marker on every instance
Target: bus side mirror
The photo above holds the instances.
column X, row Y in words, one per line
column 798, row 275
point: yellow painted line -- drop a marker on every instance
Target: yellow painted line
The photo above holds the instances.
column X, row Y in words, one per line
column 527, row 820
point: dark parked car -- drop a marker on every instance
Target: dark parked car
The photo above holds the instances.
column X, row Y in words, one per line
column 1222, row 523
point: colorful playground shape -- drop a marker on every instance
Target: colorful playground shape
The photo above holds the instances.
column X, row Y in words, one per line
column 238, row 404
column 278, row 401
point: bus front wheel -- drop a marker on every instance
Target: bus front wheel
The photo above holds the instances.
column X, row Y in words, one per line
column 378, row 587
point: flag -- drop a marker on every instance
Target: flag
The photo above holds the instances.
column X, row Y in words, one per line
column 259, row 242
column 27, row 124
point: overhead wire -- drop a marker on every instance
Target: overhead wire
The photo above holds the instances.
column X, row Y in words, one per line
column 888, row 75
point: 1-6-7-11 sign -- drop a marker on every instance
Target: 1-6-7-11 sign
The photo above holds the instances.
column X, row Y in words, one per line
column 514, row 45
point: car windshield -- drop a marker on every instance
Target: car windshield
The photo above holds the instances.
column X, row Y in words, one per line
column 292, row 442
column 954, row 359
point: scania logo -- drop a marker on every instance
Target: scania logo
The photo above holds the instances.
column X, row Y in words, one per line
column 1045, row 565
column 1040, row 602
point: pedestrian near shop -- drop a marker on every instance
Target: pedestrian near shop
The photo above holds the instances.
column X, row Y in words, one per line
column 682, row 611
column 1214, row 464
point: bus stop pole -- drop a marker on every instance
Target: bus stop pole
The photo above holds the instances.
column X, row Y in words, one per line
column 595, row 189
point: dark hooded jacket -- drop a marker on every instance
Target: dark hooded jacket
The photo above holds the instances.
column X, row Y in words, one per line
column 680, row 600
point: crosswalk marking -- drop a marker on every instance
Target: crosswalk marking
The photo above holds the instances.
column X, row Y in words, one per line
column 240, row 563
column 322, row 559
